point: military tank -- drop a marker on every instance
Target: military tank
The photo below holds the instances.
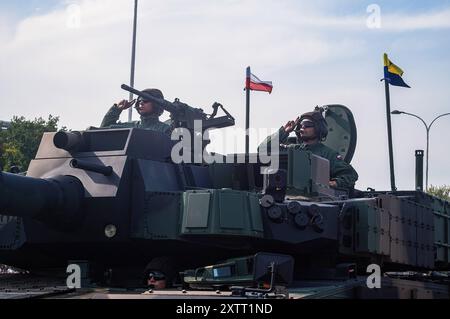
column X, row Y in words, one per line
column 115, row 198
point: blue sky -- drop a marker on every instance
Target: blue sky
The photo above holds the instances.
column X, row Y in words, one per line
column 315, row 53
column 23, row 9
column 343, row 7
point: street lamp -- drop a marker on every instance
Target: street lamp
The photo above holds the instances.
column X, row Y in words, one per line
column 427, row 127
column 133, row 56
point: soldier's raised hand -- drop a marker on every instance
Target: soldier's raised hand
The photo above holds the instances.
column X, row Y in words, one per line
column 124, row 104
column 290, row 126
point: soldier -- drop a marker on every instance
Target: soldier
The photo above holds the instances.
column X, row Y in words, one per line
column 311, row 129
column 149, row 112
column 156, row 280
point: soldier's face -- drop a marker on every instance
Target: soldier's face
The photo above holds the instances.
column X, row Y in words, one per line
column 145, row 107
column 156, row 280
column 156, row 284
column 307, row 131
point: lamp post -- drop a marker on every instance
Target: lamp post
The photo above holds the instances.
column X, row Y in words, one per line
column 427, row 127
column 133, row 57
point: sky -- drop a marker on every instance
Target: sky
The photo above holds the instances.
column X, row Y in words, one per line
column 69, row 58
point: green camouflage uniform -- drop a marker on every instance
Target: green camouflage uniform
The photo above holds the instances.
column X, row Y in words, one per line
column 340, row 171
column 148, row 122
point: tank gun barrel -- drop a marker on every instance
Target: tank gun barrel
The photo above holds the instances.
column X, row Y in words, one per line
column 55, row 201
column 69, row 141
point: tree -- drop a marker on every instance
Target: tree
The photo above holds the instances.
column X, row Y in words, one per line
column 442, row 192
column 19, row 143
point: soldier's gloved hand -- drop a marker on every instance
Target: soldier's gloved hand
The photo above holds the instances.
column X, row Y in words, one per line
column 124, row 104
column 333, row 184
column 290, row 126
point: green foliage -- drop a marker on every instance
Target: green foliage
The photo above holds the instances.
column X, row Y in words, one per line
column 440, row 191
column 19, row 143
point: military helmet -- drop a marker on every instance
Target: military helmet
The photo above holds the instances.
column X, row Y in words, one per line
column 321, row 125
column 158, row 110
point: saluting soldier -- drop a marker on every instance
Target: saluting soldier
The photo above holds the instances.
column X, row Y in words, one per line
column 311, row 129
column 149, row 112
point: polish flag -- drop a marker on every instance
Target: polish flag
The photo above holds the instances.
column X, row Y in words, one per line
column 255, row 84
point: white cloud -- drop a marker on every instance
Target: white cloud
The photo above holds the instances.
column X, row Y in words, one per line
column 390, row 22
column 5, row 28
column 76, row 71
column 425, row 21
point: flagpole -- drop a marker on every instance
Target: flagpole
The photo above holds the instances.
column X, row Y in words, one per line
column 133, row 57
column 389, row 129
column 247, row 114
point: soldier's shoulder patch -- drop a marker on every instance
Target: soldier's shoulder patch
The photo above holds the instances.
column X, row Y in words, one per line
column 339, row 157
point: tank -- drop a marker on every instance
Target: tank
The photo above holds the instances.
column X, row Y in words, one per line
column 115, row 198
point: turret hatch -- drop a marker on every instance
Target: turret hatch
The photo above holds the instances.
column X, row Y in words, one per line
column 341, row 130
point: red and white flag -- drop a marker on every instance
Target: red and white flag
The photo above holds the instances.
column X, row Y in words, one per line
column 255, row 84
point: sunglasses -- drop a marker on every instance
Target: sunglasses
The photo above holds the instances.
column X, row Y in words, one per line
column 142, row 101
column 156, row 276
column 304, row 124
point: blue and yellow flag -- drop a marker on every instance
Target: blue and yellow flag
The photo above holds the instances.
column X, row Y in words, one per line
column 393, row 74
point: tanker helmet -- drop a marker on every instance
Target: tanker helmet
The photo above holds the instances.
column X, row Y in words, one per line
column 320, row 124
column 158, row 110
